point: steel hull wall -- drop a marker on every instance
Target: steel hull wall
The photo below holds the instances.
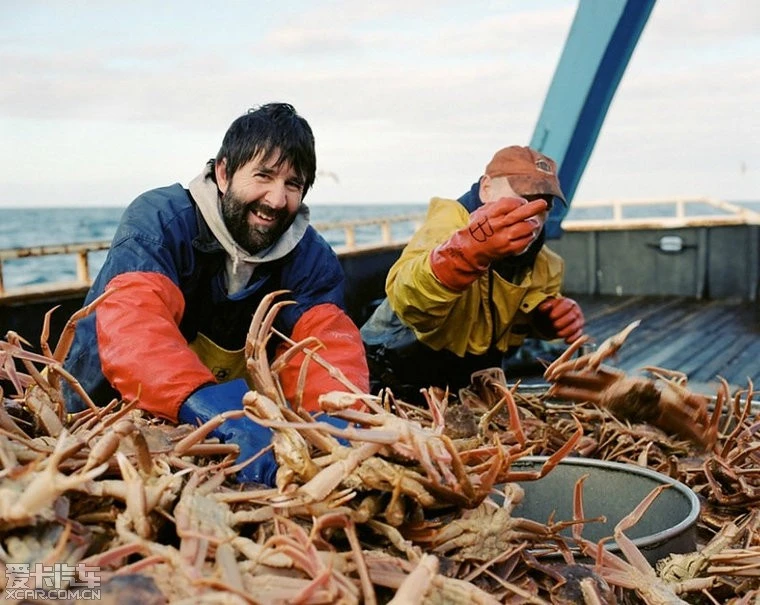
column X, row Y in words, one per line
column 717, row 262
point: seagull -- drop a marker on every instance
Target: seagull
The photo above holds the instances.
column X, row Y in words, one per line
column 327, row 173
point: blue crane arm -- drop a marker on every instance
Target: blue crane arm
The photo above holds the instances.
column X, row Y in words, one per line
column 600, row 43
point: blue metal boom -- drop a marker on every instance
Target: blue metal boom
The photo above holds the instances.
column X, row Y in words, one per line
column 600, row 43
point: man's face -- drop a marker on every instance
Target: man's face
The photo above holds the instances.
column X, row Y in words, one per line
column 260, row 202
column 492, row 189
column 499, row 187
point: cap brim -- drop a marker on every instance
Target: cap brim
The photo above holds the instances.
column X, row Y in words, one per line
column 530, row 185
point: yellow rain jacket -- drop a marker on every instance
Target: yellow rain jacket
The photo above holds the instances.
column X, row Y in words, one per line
column 492, row 313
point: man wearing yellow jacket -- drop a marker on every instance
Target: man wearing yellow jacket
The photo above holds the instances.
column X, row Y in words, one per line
column 473, row 282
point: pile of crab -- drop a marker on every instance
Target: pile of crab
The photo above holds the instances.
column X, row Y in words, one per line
column 406, row 505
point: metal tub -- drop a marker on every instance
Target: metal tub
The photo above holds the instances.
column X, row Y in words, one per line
column 613, row 490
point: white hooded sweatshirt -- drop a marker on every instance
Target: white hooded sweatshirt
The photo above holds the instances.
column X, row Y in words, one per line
column 240, row 265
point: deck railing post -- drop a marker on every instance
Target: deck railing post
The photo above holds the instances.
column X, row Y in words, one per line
column 83, row 267
column 385, row 232
column 350, row 236
column 617, row 211
column 680, row 208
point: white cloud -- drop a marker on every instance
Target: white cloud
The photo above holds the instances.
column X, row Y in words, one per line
column 408, row 99
column 684, row 121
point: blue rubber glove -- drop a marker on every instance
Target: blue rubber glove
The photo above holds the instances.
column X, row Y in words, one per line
column 250, row 437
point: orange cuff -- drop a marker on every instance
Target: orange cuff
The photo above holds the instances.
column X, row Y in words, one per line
column 343, row 349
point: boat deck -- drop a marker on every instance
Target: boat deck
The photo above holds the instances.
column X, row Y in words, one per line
column 702, row 338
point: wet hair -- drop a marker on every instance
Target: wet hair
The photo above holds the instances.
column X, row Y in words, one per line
column 274, row 128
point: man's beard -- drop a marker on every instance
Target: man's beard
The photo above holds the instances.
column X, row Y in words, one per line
column 251, row 238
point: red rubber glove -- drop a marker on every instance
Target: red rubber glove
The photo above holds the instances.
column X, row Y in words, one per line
column 497, row 229
column 559, row 318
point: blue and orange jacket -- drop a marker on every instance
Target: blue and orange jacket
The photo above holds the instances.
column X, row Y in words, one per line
column 167, row 273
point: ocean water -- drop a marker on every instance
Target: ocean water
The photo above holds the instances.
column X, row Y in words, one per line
column 27, row 227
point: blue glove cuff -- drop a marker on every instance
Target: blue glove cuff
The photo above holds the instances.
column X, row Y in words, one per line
column 263, row 470
column 250, row 437
column 213, row 399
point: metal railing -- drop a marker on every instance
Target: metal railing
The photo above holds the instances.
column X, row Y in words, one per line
column 81, row 251
column 722, row 213
column 384, row 224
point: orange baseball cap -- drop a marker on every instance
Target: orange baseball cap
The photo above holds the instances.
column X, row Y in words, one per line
column 529, row 172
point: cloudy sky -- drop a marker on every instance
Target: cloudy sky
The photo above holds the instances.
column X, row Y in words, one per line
column 101, row 100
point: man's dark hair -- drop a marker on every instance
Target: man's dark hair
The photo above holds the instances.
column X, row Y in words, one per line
column 274, row 128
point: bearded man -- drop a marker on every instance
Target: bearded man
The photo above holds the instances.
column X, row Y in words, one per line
column 188, row 268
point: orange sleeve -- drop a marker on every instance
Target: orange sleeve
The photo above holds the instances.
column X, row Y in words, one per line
column 343, row 348
column 142, row 351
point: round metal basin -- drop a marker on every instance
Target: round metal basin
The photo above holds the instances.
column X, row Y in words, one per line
column 613, row 490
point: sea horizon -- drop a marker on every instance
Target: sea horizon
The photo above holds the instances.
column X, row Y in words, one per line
column 59, row 225
column 24, row 227
column 86, row 206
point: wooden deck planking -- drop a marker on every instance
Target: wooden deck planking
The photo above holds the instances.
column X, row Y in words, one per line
column 703, row 339
column 747, row 365
column 720, row 353
column 607, row 322
column 658, row 318
column 705, row 336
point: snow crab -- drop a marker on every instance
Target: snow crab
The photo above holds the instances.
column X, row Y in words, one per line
column 663, row 401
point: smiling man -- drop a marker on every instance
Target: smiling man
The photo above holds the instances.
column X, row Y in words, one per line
column 188, row 268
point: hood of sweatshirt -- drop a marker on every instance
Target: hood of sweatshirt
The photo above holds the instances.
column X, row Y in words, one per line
column 240, row 265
